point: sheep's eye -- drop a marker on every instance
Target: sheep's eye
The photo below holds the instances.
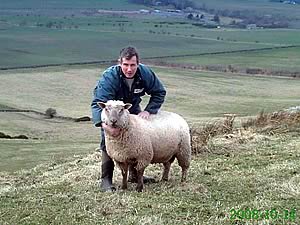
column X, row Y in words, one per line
column 121, row 111
column 106, row 109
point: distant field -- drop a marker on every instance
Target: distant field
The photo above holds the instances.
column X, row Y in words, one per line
column 255, row 6
column 35, row 46
column 153, row 25
column 276, row 59
column 260, row 6
column 198, row 96
column 217, row 93
column 26, row 40
column 68, row 4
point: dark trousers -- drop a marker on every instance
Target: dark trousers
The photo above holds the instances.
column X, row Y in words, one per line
column 102, row 143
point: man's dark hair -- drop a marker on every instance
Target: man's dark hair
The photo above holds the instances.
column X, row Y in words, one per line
column 128, row 53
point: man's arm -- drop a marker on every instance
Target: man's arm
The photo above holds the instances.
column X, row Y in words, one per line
column 105, row 90
column 155, row 89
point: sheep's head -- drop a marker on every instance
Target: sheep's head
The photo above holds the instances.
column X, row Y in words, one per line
column 115, row 113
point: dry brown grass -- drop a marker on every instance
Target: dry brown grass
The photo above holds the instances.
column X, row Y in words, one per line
column 205, row 137
column 201, row 135
column 276, row 122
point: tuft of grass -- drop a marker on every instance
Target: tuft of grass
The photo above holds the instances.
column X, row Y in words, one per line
column 204, row 137
column 201, row 134
column 276, row 122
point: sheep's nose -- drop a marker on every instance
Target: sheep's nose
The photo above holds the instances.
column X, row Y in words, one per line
column 113, row 121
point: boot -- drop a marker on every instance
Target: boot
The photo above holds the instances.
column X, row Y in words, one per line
column 107, row 170
column 132, row 178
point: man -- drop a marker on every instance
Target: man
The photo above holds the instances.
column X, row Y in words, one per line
column 128, row 81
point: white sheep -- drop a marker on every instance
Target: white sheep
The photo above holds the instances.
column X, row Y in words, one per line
column 160, row 139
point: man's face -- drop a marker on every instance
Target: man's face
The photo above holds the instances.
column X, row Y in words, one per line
column 129, row 66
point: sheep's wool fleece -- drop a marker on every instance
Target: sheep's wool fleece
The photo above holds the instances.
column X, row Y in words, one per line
column 155, row 140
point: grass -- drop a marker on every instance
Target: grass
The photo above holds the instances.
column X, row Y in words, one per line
column 280, row 59
column 25, row 154
column 94, row 38
column 49, row 140
column 260, row 7
column 259, row 174
column 53, row 176
column 70, row 4
column 36, row 46
column 167, row 26
column 216, row 94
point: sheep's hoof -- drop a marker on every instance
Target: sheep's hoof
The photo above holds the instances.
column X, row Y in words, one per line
column 139, row 188
column 146, row 180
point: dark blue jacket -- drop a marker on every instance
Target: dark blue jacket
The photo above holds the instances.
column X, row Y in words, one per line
column 113, row 86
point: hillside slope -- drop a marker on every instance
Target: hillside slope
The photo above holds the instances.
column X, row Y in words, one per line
column 249, row 171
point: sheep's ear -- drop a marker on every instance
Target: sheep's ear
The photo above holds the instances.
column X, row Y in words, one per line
column 101, row 104
column 127, row 106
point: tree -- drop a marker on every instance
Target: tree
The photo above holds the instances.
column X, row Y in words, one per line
column 216, row 19
column 190, row 16
column 50, row 113
column 49, row 24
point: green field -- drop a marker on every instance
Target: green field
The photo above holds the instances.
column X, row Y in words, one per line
column 216, row 94
column 34, row 39
column 276, row 59
column 258, row 175
column 68, row 4
column 52, row 177
column 259, row 7
column 41, row 47
column 25, row 46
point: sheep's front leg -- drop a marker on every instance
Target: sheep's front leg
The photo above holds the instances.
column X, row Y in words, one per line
column 140, row 180
column 124, row 170
column 140, row 168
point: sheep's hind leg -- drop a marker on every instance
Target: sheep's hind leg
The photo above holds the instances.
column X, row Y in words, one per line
column 184, row 174
column 184, row 162
column 167, row 167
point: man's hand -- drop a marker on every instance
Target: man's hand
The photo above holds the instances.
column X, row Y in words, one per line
column 144, row 115
column 111, row 130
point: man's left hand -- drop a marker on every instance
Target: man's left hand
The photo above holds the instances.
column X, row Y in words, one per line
column 144, row 115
